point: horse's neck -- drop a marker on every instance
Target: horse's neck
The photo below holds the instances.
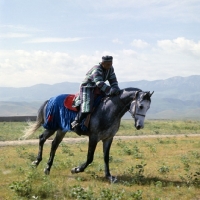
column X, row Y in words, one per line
column 120, row 104
column 115, row 107
column 127, row 96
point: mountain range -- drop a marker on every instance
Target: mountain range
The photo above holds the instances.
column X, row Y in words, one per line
column 173, row 98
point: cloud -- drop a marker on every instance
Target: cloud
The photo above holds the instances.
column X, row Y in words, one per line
column 187, row 10
column 167, row 58
column 180, row 44
column 117, row 41
column 53, row 40
column 129, row 52
column 18, row 29
column 139, row 44
column 22, row 68
column 149, row 10
column 14, row 35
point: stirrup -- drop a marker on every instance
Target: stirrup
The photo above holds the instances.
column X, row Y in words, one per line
column 74, row 124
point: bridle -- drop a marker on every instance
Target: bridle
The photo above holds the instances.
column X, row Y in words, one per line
column 135, row 113
column 128, row 106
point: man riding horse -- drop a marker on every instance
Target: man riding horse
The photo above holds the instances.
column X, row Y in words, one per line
column 94, row 83
column 54, row 116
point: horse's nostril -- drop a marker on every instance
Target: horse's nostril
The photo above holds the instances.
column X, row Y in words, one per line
column 138, row 127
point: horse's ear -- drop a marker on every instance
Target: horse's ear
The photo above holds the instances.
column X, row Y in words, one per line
column 147, row 95
column 136, row 94
column 151, row 93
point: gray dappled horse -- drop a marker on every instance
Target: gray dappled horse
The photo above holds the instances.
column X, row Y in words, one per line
column 104, row 124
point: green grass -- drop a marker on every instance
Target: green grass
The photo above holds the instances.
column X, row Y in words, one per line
column 157, row 169
column 14, row 130
column 11, row 130
column 160, row 127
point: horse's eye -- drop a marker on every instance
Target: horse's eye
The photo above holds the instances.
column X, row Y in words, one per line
column 141, row 106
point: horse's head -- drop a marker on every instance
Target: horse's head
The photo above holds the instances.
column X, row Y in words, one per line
column 139, row 107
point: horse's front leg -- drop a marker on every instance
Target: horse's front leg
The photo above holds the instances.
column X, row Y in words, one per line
column 42, row 138
column 55, row 143
column 106, row 151
column 90, row 156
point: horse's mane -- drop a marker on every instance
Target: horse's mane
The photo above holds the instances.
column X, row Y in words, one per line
column 130, row 89
column 147, row 95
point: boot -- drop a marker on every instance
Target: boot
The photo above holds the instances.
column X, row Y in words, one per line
column 80, row 116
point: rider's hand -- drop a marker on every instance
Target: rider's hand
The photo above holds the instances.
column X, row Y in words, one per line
column 114, row 91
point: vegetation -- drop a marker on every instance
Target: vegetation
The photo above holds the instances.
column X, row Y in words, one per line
column 160, row 127
column 14, row 130
column 157, row 169
column 146, row 169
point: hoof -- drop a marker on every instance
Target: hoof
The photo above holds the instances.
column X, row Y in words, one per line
column 75, row 170
column 112, row 179
column 46, row 171
column 35, row 163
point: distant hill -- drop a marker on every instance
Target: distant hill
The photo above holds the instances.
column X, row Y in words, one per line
column 173, row 98
column 39, row 92
column 19, row 108
column 183, row 88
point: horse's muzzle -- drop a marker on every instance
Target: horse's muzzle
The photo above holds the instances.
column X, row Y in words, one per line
column 138, row 127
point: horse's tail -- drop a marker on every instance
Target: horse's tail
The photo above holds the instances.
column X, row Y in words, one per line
column 32, row 127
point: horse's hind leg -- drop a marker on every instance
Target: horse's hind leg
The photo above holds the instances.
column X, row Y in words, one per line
column 42, row 138
column 55, row 143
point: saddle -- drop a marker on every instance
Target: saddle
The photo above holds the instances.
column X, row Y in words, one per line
column 68, row 102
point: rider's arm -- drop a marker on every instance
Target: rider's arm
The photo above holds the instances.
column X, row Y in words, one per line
column 98, row 75
column 113, row 79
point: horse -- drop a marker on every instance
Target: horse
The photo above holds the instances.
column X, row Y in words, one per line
column 104, row 124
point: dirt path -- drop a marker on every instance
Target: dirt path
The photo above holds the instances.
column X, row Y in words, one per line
column 85, row 139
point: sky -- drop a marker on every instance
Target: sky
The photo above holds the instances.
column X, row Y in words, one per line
column 54, row 41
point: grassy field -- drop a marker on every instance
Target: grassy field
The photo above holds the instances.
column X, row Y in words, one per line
column 155, row 169
column 14, row 130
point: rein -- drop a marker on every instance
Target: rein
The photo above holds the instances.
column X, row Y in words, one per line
column 128, row 107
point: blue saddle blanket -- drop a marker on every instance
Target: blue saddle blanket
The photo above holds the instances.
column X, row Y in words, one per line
column 57, row 116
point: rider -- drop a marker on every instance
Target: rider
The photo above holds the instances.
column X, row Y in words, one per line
column 94, row 83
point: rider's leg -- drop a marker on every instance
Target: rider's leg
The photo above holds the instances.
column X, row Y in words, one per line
column 86, row 97
column 80, row 116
